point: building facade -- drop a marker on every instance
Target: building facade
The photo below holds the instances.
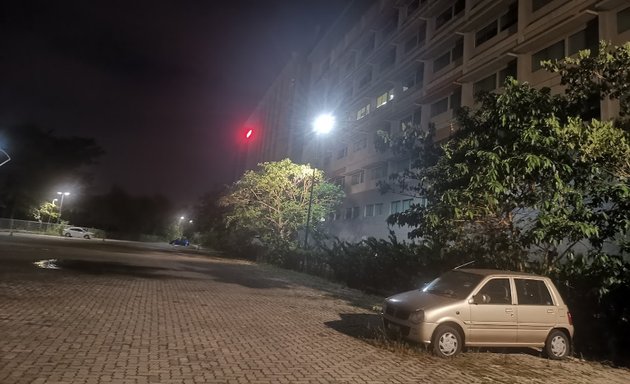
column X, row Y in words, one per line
column 413, row 63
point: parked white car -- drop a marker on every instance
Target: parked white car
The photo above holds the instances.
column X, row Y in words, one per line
column 77, row 232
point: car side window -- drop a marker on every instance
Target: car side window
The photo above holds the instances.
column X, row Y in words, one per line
column 532, row 292
column 497, row 291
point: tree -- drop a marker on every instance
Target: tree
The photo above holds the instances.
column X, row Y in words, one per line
column 525, row 176
column 47, row 211
column 272, row 202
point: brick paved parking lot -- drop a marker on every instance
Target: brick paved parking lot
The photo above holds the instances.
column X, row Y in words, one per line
column 117, row 313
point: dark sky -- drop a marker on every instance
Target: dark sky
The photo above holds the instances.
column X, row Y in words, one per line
column 163, row 86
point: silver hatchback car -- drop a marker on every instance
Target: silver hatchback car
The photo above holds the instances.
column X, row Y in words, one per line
column 483, row 308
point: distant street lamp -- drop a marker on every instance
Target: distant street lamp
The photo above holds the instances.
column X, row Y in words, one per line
column 323, row 124
column 61, row 203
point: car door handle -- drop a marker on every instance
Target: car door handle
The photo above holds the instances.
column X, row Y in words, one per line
column 550, row 311
column 509, row 310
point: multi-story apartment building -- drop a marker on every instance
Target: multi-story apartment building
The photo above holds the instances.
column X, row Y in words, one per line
column 413, row 62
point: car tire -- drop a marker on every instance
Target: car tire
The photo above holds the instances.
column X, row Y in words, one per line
column 558, row 345
column 67, row 235
column 86, row 237
column 447, row 341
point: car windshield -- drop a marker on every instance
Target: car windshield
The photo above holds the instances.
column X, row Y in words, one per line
column 455, row 284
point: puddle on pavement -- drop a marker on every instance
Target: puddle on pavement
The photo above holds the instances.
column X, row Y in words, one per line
column 94, row 267
column 47, row 264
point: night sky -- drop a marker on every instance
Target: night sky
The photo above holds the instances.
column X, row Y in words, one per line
column 163, row 86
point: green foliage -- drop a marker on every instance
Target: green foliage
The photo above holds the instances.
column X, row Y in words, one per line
column 525, row 179
column 272, row 201
column 46, row 212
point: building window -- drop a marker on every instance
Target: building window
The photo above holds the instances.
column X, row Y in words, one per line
column 455, row 99
column 391, row 26
column 389, row 61
column 373, row 210
column 379, row 172
column 356, row 211
column 369, row 46
column 357, row 178
column 342, row 152
column 384, row 98
column 364, row 111
column 449, row 13
column 449, row 57
column 509, row 71
column 350, row 63
column 416, row 78
column 400, row 165
column 504, row 22
column 340, row 181
column 406, row 204
column 492, row 82
column 359, row 144
column 537, row 4
column 395, row 207
column 623, row 20
column 418, row 39
column 439, row 107
column 366, row 79
column 584, row 39
column 554, row 51
column 487, row 84
column 348, row 213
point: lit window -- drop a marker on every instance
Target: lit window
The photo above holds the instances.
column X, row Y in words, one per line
column 364, row 111
column 384, row 98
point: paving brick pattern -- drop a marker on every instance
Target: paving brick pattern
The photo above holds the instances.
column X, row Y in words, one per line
column 196, row 320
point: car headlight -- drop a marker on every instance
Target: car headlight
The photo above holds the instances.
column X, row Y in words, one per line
column 417, row 316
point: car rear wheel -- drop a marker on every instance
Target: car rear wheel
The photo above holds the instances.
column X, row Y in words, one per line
column 67, row 234
column 558, row 345
column 447, row 342
column 86, row 236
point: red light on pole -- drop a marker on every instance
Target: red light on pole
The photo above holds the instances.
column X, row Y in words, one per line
column 249, row 133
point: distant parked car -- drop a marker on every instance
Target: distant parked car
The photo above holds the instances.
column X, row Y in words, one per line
column 483, row 308
column 182, row 241
column 77, row 232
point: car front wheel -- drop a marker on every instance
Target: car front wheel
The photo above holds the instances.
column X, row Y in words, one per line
column 558, row 345
column 447, row 342
column 86, row 237
column 67, row 234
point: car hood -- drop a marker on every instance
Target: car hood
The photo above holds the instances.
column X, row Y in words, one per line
column 417, row 299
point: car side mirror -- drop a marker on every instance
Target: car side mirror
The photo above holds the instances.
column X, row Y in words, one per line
column 480, row 298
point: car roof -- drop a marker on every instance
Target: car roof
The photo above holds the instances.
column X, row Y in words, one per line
column 496, row 272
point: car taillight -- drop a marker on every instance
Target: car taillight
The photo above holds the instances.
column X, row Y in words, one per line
column 570, row 317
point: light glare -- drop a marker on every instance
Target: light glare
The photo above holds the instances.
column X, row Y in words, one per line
column 324, row 123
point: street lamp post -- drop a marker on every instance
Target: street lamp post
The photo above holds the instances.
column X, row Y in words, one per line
column 322, row 125
column 62, row 194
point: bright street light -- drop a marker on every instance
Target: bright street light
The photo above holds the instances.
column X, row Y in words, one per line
column 62, row 194
column 323, row 124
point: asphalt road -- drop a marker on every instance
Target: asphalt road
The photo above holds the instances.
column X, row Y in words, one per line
column 88, row 311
